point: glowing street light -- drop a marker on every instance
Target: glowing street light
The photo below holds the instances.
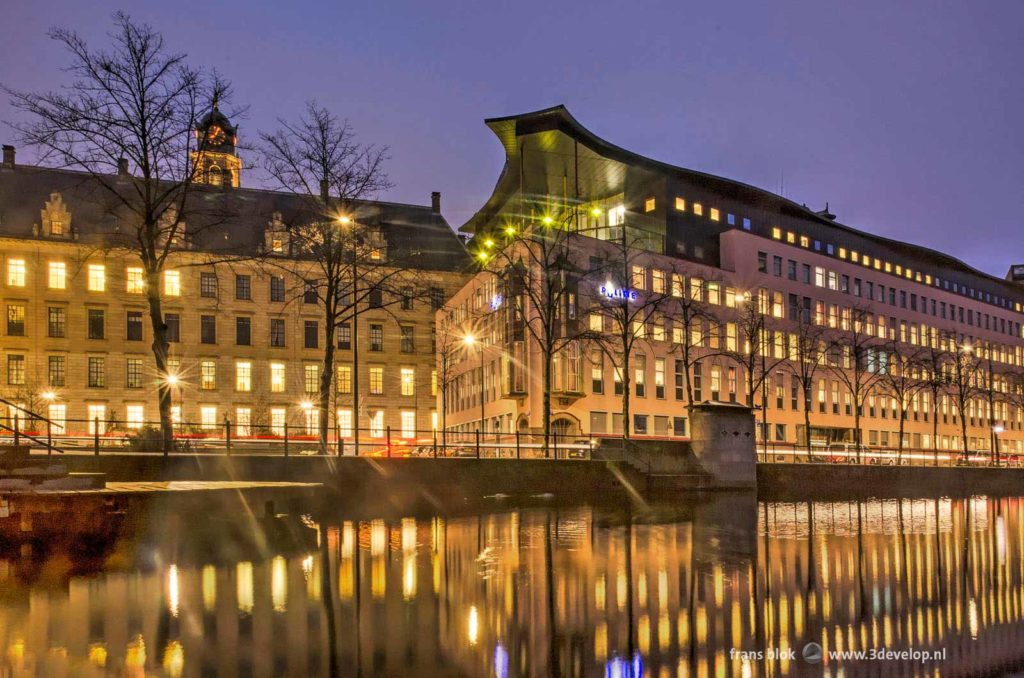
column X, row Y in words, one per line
column 49, row 396
column 488, row 243
column 344, row 219
column 306, row 405
column 171, row 380
column 510, row 230
column 547, row 220
column 596, row 211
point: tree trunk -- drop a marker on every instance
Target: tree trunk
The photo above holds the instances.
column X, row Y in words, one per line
column 935, row 425
column 326, row 378
column 626, row 387
column 963, row 431
column 807, row 417
column 160, row 348
column 903, row 420
column 546, row 422
column 856, row 428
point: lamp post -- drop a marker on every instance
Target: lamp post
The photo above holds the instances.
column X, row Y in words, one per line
column 469, row 341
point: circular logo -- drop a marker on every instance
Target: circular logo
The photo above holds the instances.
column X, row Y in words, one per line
column 812, row 653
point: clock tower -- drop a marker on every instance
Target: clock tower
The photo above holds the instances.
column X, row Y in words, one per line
column 216, row 158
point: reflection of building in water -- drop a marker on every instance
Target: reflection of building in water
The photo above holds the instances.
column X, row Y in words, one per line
column 574, row 592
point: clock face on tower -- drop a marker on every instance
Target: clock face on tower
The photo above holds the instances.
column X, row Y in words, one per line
column 215, row 136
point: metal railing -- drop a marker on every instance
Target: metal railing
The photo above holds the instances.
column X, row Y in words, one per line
column 882, row 455
column 98, row 436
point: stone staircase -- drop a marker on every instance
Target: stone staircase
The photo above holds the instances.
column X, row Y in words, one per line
column 21, row 472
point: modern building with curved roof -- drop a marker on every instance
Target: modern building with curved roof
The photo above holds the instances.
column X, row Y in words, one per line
column 717, row 239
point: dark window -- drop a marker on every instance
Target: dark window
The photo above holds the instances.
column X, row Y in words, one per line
column 96, row 372
column 407, row 339
column 276, row 288
column 406, row 298
column 640, row 424
column 56, row 370
column 208, row 329
column 680, row 386
column 376, row 337
column 133, row 373
column 762, row 262
column 16, row 320
column 277, row 332
column 243, row 331
column 173, row 323
column 134, row 325
column 806, row 270
column 243, row 287
column 208, row 285
column 679, row 426
column 311, row 334
column 309, row 293
column 96, row 323
column 375, row 298
column 344, row 336
column 777, row 266
column 56, row 322
column 436, row 298
column 16, row 370
column 791, row 269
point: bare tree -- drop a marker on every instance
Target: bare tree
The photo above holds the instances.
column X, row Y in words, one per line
column 963, row 369
column 630, row 304
column 695, row 327
column 449, row 349
column 859, row 367
column 132, row 109
column 536, row 265
column 340, row 257
column 902, row 379
column 753, row 349
column 934, row 363
column 993, row 391
column 807, row 353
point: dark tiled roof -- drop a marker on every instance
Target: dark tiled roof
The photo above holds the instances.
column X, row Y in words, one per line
column 223, row 220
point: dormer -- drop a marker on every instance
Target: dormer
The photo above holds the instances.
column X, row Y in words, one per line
column 55, row 218
column 276, row 238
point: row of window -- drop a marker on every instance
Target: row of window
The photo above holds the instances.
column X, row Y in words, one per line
column 100, row 418
column 898, row 270
column 821, row 277
column 96, row 328
column 135, row 283
column 96, row 375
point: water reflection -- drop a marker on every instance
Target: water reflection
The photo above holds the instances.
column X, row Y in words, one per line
column 696, row 590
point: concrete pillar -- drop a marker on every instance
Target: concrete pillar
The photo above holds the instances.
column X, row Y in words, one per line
column 723, row 442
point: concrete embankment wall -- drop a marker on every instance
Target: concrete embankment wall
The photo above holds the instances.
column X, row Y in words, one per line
column 837, row 481
column 376, row 479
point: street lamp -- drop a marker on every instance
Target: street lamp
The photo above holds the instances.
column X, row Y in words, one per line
column 172, row 381
column 469, row 340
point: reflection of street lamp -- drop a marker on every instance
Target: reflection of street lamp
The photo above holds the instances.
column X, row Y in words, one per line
column 469, row 340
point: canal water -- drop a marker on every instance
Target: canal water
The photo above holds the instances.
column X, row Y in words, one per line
column 240, row 585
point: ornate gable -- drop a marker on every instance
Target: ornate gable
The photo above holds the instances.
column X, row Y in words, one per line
column 55, row 218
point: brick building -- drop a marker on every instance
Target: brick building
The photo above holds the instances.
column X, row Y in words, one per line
column 246, row 341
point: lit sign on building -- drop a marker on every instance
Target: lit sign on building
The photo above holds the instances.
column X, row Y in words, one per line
column 613, row 292
column 496, row 302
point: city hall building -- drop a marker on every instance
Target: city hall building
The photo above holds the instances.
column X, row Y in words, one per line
column 246, row 341
column 717, row 242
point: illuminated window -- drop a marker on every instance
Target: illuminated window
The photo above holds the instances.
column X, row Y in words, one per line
column 58, row 275
column 376, row 380
column 408, row 381
column 243, row 421
column 312, row 417
column 805, row 241
column 57, row 413
column 639, row 277
column 698, row 209
column 345, row 423
column 277, row 245
column 208, row 416
column 135, row 283
column 172, row 283
column 408, row 424
column 433, row 382
column 97, row 278
column 344, row 383
column 617, row 215
column 680, row 204
column 97, row 419
column 243, row 377
column 135, row 416
column 16, row 272
column 658, row 281
column 790, row 237
column 776, row 233
column 207, row 375
column 649, row 205
column 56, row 227
column 311, row 378
column 277, row 377
column 278, row 418
column 377, row 424
column 842, row 252
column 596, row 322
column 888, row 267
column 715, row 216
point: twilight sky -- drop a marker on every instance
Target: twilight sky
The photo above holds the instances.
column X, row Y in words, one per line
column 905, row 116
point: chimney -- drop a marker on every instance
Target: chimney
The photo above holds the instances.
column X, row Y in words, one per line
column 8, row 156
column 122, row 167
column 435, row 202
